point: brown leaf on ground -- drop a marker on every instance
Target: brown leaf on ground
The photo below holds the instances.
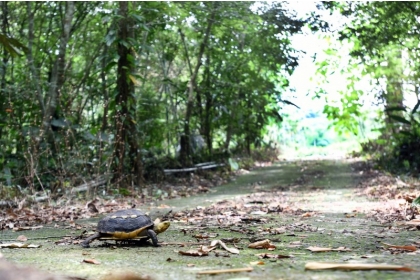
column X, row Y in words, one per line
column 194, row 252
column 257, row 263
column 205, row 236
column 414, row 222
column 308, row 214
column 355, row 266
column 223, row 245
column 26, row 228
column 318, row 249
column 125, row 276
column 264, row 244
column 91, row 207
column 321, row 249
column 91, row 261
column 206, row 249
column 342, row 249
column 22, row 238
column 19, row 245
column 410, row 248
column 272, row 256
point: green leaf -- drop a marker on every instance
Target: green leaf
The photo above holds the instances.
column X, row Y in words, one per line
column 13, row 46
column 289, row 103
column 110, row 38
column 396, row 108
column 138, row 18
column 415, row 107
column 416, row 202
column 399, row 119
column 406, row 133
column 233, row 164
column 110, row 65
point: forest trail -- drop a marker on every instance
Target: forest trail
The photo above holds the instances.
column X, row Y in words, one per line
column 296, row 205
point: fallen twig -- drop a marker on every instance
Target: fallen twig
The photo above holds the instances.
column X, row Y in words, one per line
column 221, row 271
column 355, row 266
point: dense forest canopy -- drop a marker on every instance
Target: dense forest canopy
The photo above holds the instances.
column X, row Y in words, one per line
column 121, row 90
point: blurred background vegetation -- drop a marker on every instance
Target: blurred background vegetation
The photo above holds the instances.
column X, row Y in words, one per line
column 115, row 93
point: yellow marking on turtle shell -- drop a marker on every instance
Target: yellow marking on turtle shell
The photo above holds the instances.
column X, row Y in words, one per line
column 133, row 216
column 129, row 235
column 113, row 217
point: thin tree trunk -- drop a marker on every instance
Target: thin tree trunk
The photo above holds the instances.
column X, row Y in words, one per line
column 57, row 75
column 35, row 76
column 394, row 93
column 3, row 68
column 104, row 89
column 125, row 125
column 185, row 153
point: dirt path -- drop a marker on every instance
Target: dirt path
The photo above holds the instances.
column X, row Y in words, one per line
column 293, row 204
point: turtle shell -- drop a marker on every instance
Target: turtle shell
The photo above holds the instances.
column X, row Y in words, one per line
column 125, row 224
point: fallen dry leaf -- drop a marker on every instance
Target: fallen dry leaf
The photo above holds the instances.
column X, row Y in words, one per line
column 342, row 249
column 194, row 253
column 264, row 244
column 164, row 206
column 355, row 266
column 26, row 228
column 351, row 215
column 223, row 245
column 272, row 256
column 207, row 249
column 125, row 276
column 91, row 207
column 22, row 238
column 257, row 263
column 204, row 236
column 321, row 249
column 91, row 261
column 405, row 248
column 19, row 245
column 318, row 249
column 308, row 214
column 415, row 222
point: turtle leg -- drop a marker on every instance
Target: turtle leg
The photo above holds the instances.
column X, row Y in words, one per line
column 85, row 244
column 153, row 236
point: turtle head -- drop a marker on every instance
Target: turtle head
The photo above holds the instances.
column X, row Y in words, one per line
column 161, row 226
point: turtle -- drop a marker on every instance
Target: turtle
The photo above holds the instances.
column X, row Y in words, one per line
column 127, row 224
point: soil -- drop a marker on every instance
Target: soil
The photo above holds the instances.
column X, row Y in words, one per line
column 288, row 207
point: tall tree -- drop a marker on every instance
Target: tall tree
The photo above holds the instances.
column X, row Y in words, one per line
column 125, row 114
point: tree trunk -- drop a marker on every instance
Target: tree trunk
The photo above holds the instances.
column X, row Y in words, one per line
column 125, row 125
column 185, row 153
column 3, row 67
column 206, row 119
column 57, row 75
column 35, row 75
column 394, row 93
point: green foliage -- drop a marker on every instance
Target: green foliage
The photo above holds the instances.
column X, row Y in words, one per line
column 59, row 107
column 383, row 45
column 416, row 202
